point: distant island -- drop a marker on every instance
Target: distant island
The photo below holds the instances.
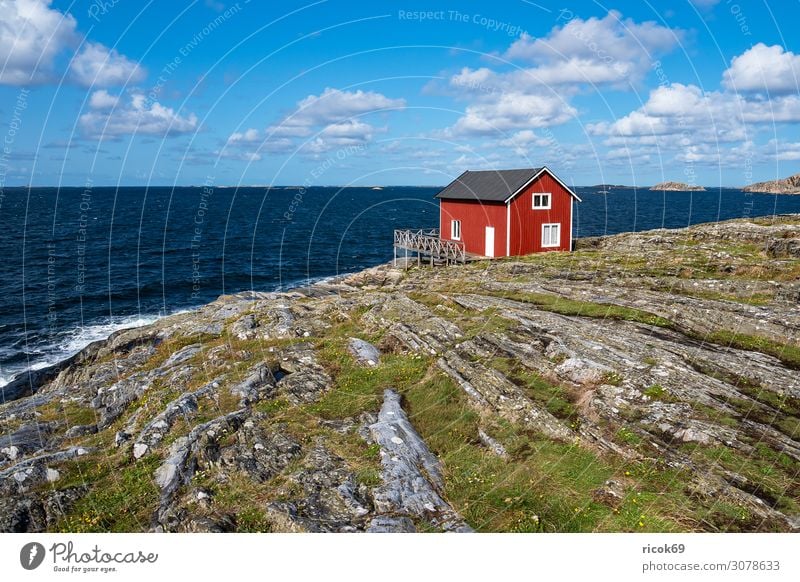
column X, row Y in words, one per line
column 678, row 187
column 613, row 187
column 790, row 185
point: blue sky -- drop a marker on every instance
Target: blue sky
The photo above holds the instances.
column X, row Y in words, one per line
column 331, row 92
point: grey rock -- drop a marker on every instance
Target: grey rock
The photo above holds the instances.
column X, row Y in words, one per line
column 260, row 453
column 492, row 444
column 245, row 327
column 307, row 379
column 364, row 352
column 488, row 388
column 258, row 385
column 330, row 499
column 783, row 247
column 26, row 439
column 182, row 355
column 412, row 476
column 386, row 524
column 32, row 514
column 33, row 471
column 80, row 430
column 113, row 401
column 412, row 325
column 185, row 406
column 180, row 463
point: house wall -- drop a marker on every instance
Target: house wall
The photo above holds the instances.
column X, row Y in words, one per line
column 526, row 223
column 475, row 217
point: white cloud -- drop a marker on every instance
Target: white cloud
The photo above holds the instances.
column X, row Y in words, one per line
column 248, row 136
column 33, row 37
column 714, row 155
column 608, row 51
column 512, row 111
column 782, row 150
column 526, row 137
column 679, row 114
column 244, row 146
column 684, row 124
column 240, row 146
column 522, row 142
column 96, row 65
column 332, row 106
column 764, row 69
column 340, row 135
column 350, row 129
column 329, row 117
column 596, row 50
column 102, row 100
column 138, row 116
column 240, row 156
column 335, row 105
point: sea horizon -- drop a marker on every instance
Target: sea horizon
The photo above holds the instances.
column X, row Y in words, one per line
column 295, row 186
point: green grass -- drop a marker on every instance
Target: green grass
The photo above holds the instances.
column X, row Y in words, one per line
column 786, row 353
column 252, row 520
column 554, row 397
column 787, row 424
column 658, row 392
column 627, row 436
column 715, row 415
column 358, row 388
column 122, row 499
column 772, row 476
column 612, row 378
column 71, row 413
column 564, row 306
column 758, row 299
column 237, row 496
column 544, row 485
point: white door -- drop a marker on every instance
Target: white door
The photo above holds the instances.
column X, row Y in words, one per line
column 489, row 252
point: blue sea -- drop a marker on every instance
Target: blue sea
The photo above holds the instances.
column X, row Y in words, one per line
column 80, row 263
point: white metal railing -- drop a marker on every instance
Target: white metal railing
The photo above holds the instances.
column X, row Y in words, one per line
column 428, row 242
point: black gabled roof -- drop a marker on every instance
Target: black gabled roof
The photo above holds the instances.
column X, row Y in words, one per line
column 488, row 185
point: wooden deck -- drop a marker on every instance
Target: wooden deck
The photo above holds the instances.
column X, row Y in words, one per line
column 426, row 244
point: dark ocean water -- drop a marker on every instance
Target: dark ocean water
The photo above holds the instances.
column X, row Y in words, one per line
column 78, row 264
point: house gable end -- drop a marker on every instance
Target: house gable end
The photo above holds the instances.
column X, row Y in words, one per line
column 545, row 169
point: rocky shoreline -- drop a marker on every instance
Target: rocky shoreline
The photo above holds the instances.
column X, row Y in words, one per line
column 677, row 187
column 790, row 185
column 646, row 382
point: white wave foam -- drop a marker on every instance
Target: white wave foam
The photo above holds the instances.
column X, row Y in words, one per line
column 73, row 341
column 306, row 282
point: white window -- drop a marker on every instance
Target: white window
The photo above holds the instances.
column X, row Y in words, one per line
column 455, row 230
column 541, row 201
column 551, row 235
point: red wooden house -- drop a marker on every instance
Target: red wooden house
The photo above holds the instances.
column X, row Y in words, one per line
column 502, row 213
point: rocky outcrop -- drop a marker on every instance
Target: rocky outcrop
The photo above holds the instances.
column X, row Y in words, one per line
column 489, row 389
column 790, row 185
column 412, row 477
column 677, row 187
column 650, row 374
column 364, row 352
column 330, row 499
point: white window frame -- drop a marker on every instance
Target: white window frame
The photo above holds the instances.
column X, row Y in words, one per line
column 455, row 225
column 557, row 226
column 549, row 200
